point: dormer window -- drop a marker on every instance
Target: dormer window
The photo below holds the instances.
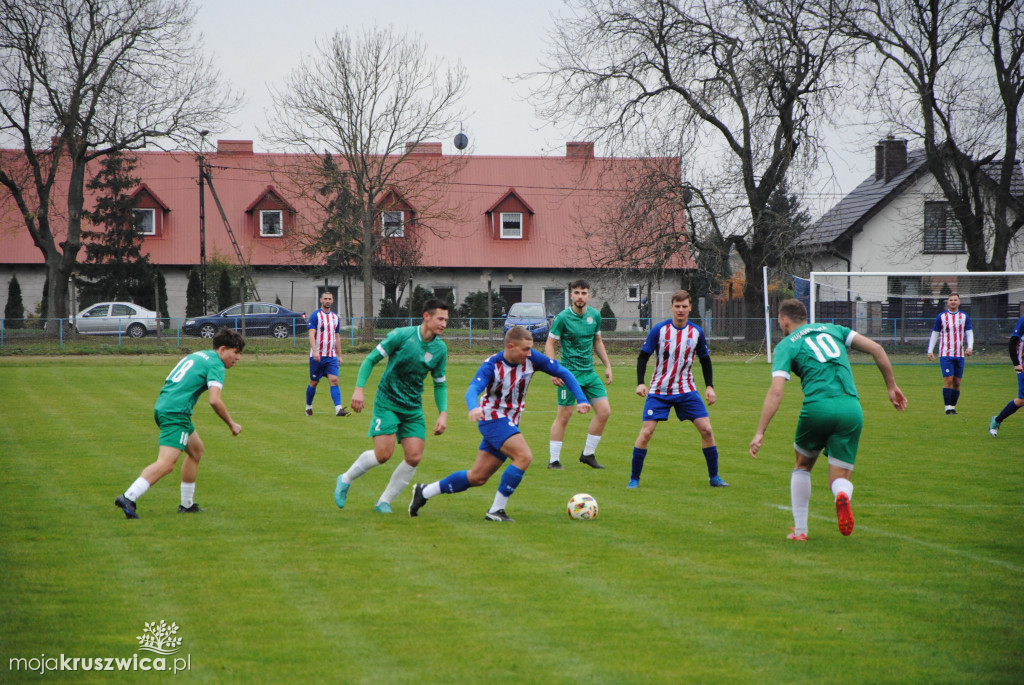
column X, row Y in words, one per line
column 145, row 221
column 271, row 223
column 392, row 224
column 511, row 225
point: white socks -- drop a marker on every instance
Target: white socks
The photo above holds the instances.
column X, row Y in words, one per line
column 188, row 491
column 842, row 485
column 800, row 495
column 554, row 450
column 366, row 461
column 591, row 445
column 137, row 489
column 500, row 501
column 432, row 490
column 400, row 479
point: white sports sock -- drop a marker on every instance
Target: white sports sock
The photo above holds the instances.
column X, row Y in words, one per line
column 591, row 445
column 400, row 479
column 363, row 463
column 554, row 450
column 137, row 489
column 800, row 495
column 842, row 485
column 500, row 501
column 432, row 490
column 188, row 491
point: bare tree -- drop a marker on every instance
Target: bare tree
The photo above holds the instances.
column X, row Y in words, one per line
column 951, row 73
column 742, row 84
column 80, row 79
column 373, row 100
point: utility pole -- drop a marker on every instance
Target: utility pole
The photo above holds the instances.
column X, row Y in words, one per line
column 202, row 216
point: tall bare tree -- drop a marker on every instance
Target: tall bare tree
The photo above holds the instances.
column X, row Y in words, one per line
column 371, row 100
column 80, row 79
column 742, row 84
column 951, row 73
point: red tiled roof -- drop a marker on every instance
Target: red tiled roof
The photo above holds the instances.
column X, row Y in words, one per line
column 564, row 194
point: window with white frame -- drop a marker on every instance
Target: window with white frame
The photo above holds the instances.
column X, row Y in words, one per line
column 511, row 225
column 392, row 224
column 145, row 221
column 271, row 223
column 941, row 229
column 632, row 293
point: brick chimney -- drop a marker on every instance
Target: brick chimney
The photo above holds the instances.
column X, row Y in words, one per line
column 890, row 158
column 579, row 150
column 234, row 147
column 423, row 149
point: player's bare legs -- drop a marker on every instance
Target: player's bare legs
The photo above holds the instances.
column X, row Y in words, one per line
column 403, row 474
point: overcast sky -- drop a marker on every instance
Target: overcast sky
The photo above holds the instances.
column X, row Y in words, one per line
column 261, row 41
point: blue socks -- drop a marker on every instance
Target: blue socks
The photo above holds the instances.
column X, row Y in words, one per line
column 456, row 482
column 955, row 396
column 638, row 462
column 510, row 479
column 1007, row 410
column 711, row 457
column 947, row 396
column 336, row 395
column 310, row 391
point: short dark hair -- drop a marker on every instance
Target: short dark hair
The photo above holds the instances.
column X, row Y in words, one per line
column 228, row 337
column 681, row 295
column 517, row 333
column 435, row 303
column 793, row 309
column 579, row 283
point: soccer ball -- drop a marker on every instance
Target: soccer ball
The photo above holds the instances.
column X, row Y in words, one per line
column 582, row 507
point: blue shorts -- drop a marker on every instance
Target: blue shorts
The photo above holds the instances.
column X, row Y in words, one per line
column 327, row 366
column 952, row 366
column 496, row 432
column 688, row 406
column 1020, row 386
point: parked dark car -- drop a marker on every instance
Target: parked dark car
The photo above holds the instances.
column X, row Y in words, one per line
column 116, row 318
column 261, row 318
column 533, row 316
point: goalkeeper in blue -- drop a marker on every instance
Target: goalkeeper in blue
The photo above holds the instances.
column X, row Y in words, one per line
column 1017, row 359
column 831, row 418
column 503, row 380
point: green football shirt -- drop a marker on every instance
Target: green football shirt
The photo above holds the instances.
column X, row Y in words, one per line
column 576, row 333
column 410, row 359
column 188, row 380
column 816, row 353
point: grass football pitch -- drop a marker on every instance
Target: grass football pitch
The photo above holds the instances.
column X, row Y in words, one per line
column 675, row 582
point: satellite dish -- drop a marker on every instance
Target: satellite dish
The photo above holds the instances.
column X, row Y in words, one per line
column 461, row 141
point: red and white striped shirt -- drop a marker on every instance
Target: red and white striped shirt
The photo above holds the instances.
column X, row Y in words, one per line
column 674, row 349
column 327, row 327
column 505, row 394
column 953, row 332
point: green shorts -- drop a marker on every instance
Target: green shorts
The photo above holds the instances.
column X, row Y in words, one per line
column 401, row 423
column 834, row 425
column 592, row 387
column 175, row 428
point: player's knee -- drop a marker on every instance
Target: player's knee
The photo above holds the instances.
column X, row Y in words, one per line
column 476, row 479
column 413, row 460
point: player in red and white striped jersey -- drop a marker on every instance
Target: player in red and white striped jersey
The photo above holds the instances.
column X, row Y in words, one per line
column 324, row 353
column 955, row 336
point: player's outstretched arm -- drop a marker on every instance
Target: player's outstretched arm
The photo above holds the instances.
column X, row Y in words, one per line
column 549, row 351
column 771, row 405
column 218, row 406
column 862, row 343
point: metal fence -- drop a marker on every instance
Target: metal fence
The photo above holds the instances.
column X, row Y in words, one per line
column 621, row 335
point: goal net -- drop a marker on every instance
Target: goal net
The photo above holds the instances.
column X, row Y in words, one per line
column 899, row 309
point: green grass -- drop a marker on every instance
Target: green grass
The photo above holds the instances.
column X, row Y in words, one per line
column 674, row 582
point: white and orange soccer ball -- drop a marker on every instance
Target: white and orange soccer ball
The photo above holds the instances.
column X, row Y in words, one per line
column 582, row 507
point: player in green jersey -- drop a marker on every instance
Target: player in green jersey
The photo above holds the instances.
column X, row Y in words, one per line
column 831, row 418
column 413, row 352
column 578, row 329
column 189, row 379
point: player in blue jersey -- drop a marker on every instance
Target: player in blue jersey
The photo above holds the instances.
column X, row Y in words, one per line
column 190, row 378
column 675, row 343
column 955, row 336
column 503, row 380
column 1017, row 359
column 325, row 353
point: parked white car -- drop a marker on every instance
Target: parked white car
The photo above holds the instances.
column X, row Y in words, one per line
column 113, row 318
